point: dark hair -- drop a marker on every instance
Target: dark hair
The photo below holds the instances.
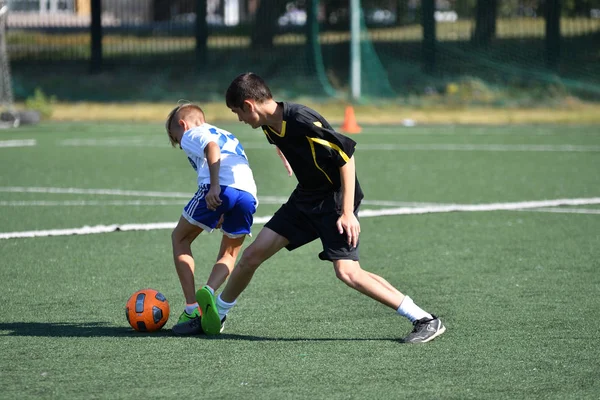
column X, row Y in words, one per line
column 247, row 86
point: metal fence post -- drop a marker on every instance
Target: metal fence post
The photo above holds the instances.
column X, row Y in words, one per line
column 96, row 36
column 201, row 33
column 429, row 39
column 552, row 33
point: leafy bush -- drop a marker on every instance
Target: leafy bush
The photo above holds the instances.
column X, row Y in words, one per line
column 41, row 102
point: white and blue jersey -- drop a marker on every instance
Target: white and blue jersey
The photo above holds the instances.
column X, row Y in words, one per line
column 234, row 172
column 238, row 190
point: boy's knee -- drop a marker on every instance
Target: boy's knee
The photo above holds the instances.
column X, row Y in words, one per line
column 347, row 271
column 177, row 237
column 174, row 236
column 251, row 259
column 344, row 275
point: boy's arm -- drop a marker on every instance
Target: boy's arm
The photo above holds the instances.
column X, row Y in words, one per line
column 347, row 221
column 286, row 164
column 212, row 153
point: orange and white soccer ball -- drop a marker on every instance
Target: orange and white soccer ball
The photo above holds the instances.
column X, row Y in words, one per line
column 147, row 310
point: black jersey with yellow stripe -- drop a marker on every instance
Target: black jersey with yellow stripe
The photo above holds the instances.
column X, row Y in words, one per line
column 313, row 148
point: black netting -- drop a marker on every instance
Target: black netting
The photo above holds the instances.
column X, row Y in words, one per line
column 499, row 52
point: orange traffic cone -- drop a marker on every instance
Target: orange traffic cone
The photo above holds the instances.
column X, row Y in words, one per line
column 350, row 125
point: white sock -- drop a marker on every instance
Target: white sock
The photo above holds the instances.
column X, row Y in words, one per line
column 189, row 308
column 211, row 290
column 410, row 310
column 223, row 307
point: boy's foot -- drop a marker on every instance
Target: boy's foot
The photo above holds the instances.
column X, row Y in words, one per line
column 211, row 323
column 188, row 324
column 425, row 330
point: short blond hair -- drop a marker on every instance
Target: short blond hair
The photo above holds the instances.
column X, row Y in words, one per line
column 186, row 111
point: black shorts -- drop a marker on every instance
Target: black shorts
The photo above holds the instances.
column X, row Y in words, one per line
column 303, row 219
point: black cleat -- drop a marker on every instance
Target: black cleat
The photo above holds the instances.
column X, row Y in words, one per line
column 425, row 330
column 189, row 327
column 193, row 327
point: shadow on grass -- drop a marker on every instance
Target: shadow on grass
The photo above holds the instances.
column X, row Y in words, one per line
column 251, row 338
column 98, row 329
column 60, row 329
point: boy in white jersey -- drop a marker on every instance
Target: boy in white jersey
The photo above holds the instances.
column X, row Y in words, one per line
column 226, row 197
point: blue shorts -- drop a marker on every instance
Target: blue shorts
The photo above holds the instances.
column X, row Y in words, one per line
column 237, row 208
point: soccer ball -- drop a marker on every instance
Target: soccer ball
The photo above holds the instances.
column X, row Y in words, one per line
column 147, row 310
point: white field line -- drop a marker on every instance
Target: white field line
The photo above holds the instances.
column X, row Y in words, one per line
column 521, row 205
column 455, row 129
column 101, row 203
column 89, row 230
column 133, row 141
column 76, row 203
column 140, row 193
column 480, row 147
column 144, row 142
column 381, row 203
column 516, row 206
column 463, row 147
column 566, row 210
column 18, row 143
column 115, row 192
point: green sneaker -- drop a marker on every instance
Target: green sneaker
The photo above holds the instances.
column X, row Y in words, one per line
column 188, row 324
column 185, row 317
column 211, row 323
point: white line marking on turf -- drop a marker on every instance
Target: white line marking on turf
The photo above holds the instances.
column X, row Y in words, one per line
column 116, row 192
column 460, row 147
column 88, row 230
column 144, row 142
column 141, row 193
column 75, row 203
column 18, row 143
column 566, row 210
column 132, row 141
column 480, row 147
column 100, row 203
column 480, row 207
column 516, row 206
column 457, row 129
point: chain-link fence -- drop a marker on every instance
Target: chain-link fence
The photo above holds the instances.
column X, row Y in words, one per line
column 473, row 51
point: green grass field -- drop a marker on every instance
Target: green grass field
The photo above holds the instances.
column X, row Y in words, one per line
column 517, row 289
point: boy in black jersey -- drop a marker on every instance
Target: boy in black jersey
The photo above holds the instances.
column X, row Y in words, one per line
column 324, row 205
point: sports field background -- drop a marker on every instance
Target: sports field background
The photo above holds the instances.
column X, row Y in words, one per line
column 517, row 289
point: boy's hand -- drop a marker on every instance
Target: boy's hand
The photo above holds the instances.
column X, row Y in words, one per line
column 212, row 198
column 349, row 223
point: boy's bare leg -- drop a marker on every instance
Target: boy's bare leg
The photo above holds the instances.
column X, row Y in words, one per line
column 264, row 246
column 386, row 284
column 230, row 248
column 212, row 322
column 372, row 285
column 214, row 310
column 426, row 326
column 182, row 237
